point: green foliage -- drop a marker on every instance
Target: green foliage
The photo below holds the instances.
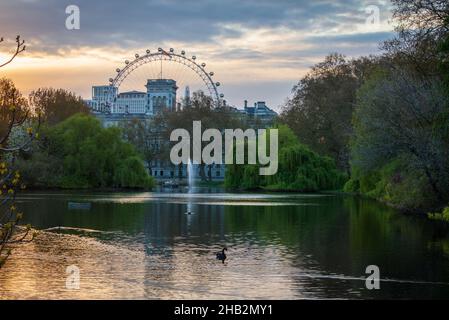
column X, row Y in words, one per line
column 352, row 186
column 131, row 173
column 300, row 169
column 399, row 150
column 396, row 183
column 443, row 216
column 80, row 153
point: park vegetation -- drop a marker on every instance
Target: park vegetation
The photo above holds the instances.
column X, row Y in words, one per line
column 72, row 149
column 385, row 119
column 79, row 153
column 300, row 169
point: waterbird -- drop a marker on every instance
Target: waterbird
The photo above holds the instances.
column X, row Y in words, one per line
column 221, row 255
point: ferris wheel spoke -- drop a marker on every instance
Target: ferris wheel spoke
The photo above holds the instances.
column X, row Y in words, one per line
column 161, row 64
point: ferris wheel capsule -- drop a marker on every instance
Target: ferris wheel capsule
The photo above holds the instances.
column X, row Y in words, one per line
column 203, row 64
column 172, row 50
column 217, row 84
column 110, row 79
column 193, row 57
column 221, row 95
column 118, row 70
column 183, row 52
column 159, row 49
column 126, row 61
column 136, row 55
column 148, row 51
column 211, row 73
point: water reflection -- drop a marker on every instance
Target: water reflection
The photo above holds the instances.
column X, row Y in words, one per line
column 143, row 245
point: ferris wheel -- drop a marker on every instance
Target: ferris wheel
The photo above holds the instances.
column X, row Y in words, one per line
column 186, row 71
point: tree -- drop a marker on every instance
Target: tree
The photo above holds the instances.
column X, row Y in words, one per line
column 401, row 128
column 13, row 113
column 80, row 153
column 150, row 137
column 147, row 136
column 57, row 105
column 320, row 111
column 421, row 28
column 202, row 109
column 424, row 18
column 300, row 169
column 400, row 145
column 14, row 110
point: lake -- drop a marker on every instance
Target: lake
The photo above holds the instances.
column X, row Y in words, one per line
column 280, row 246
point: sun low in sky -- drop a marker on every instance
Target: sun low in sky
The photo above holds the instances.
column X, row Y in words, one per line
column 257, row 49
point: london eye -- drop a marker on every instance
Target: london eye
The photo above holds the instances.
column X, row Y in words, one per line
column 186, row 70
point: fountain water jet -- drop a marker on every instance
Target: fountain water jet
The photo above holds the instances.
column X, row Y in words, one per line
column 190, row 177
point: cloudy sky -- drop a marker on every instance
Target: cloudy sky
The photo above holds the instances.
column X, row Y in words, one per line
column 258, row 49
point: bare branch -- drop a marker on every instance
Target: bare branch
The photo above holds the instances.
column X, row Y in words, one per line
column 20, row 46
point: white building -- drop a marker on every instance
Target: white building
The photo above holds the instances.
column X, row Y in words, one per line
column 161, row 93
column 134, row 102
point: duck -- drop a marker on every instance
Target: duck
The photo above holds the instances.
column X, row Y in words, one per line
column 221, row 255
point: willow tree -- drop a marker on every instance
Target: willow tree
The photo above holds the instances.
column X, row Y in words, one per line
column 300, row 169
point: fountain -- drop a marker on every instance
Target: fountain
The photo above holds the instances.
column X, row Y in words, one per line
column 190, row 174
column 190, row 177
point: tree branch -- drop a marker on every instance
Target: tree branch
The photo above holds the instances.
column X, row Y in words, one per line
column 20, row 46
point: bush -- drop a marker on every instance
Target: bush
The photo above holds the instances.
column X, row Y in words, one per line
column 396, row 183
column 443, row 216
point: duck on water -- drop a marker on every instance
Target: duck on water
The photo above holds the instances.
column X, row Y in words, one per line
column 221, row 255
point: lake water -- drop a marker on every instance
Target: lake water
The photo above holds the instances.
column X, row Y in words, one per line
column 280, row 246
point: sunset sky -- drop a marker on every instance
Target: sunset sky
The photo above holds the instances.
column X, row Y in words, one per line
column 258, row 49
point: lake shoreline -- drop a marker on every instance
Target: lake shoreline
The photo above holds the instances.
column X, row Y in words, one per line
column 404, row 211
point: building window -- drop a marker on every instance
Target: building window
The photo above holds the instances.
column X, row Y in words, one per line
column 161, row 173
column 217, row 173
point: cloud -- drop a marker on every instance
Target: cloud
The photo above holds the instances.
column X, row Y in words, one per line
column 129, row 24
column 258, row 40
